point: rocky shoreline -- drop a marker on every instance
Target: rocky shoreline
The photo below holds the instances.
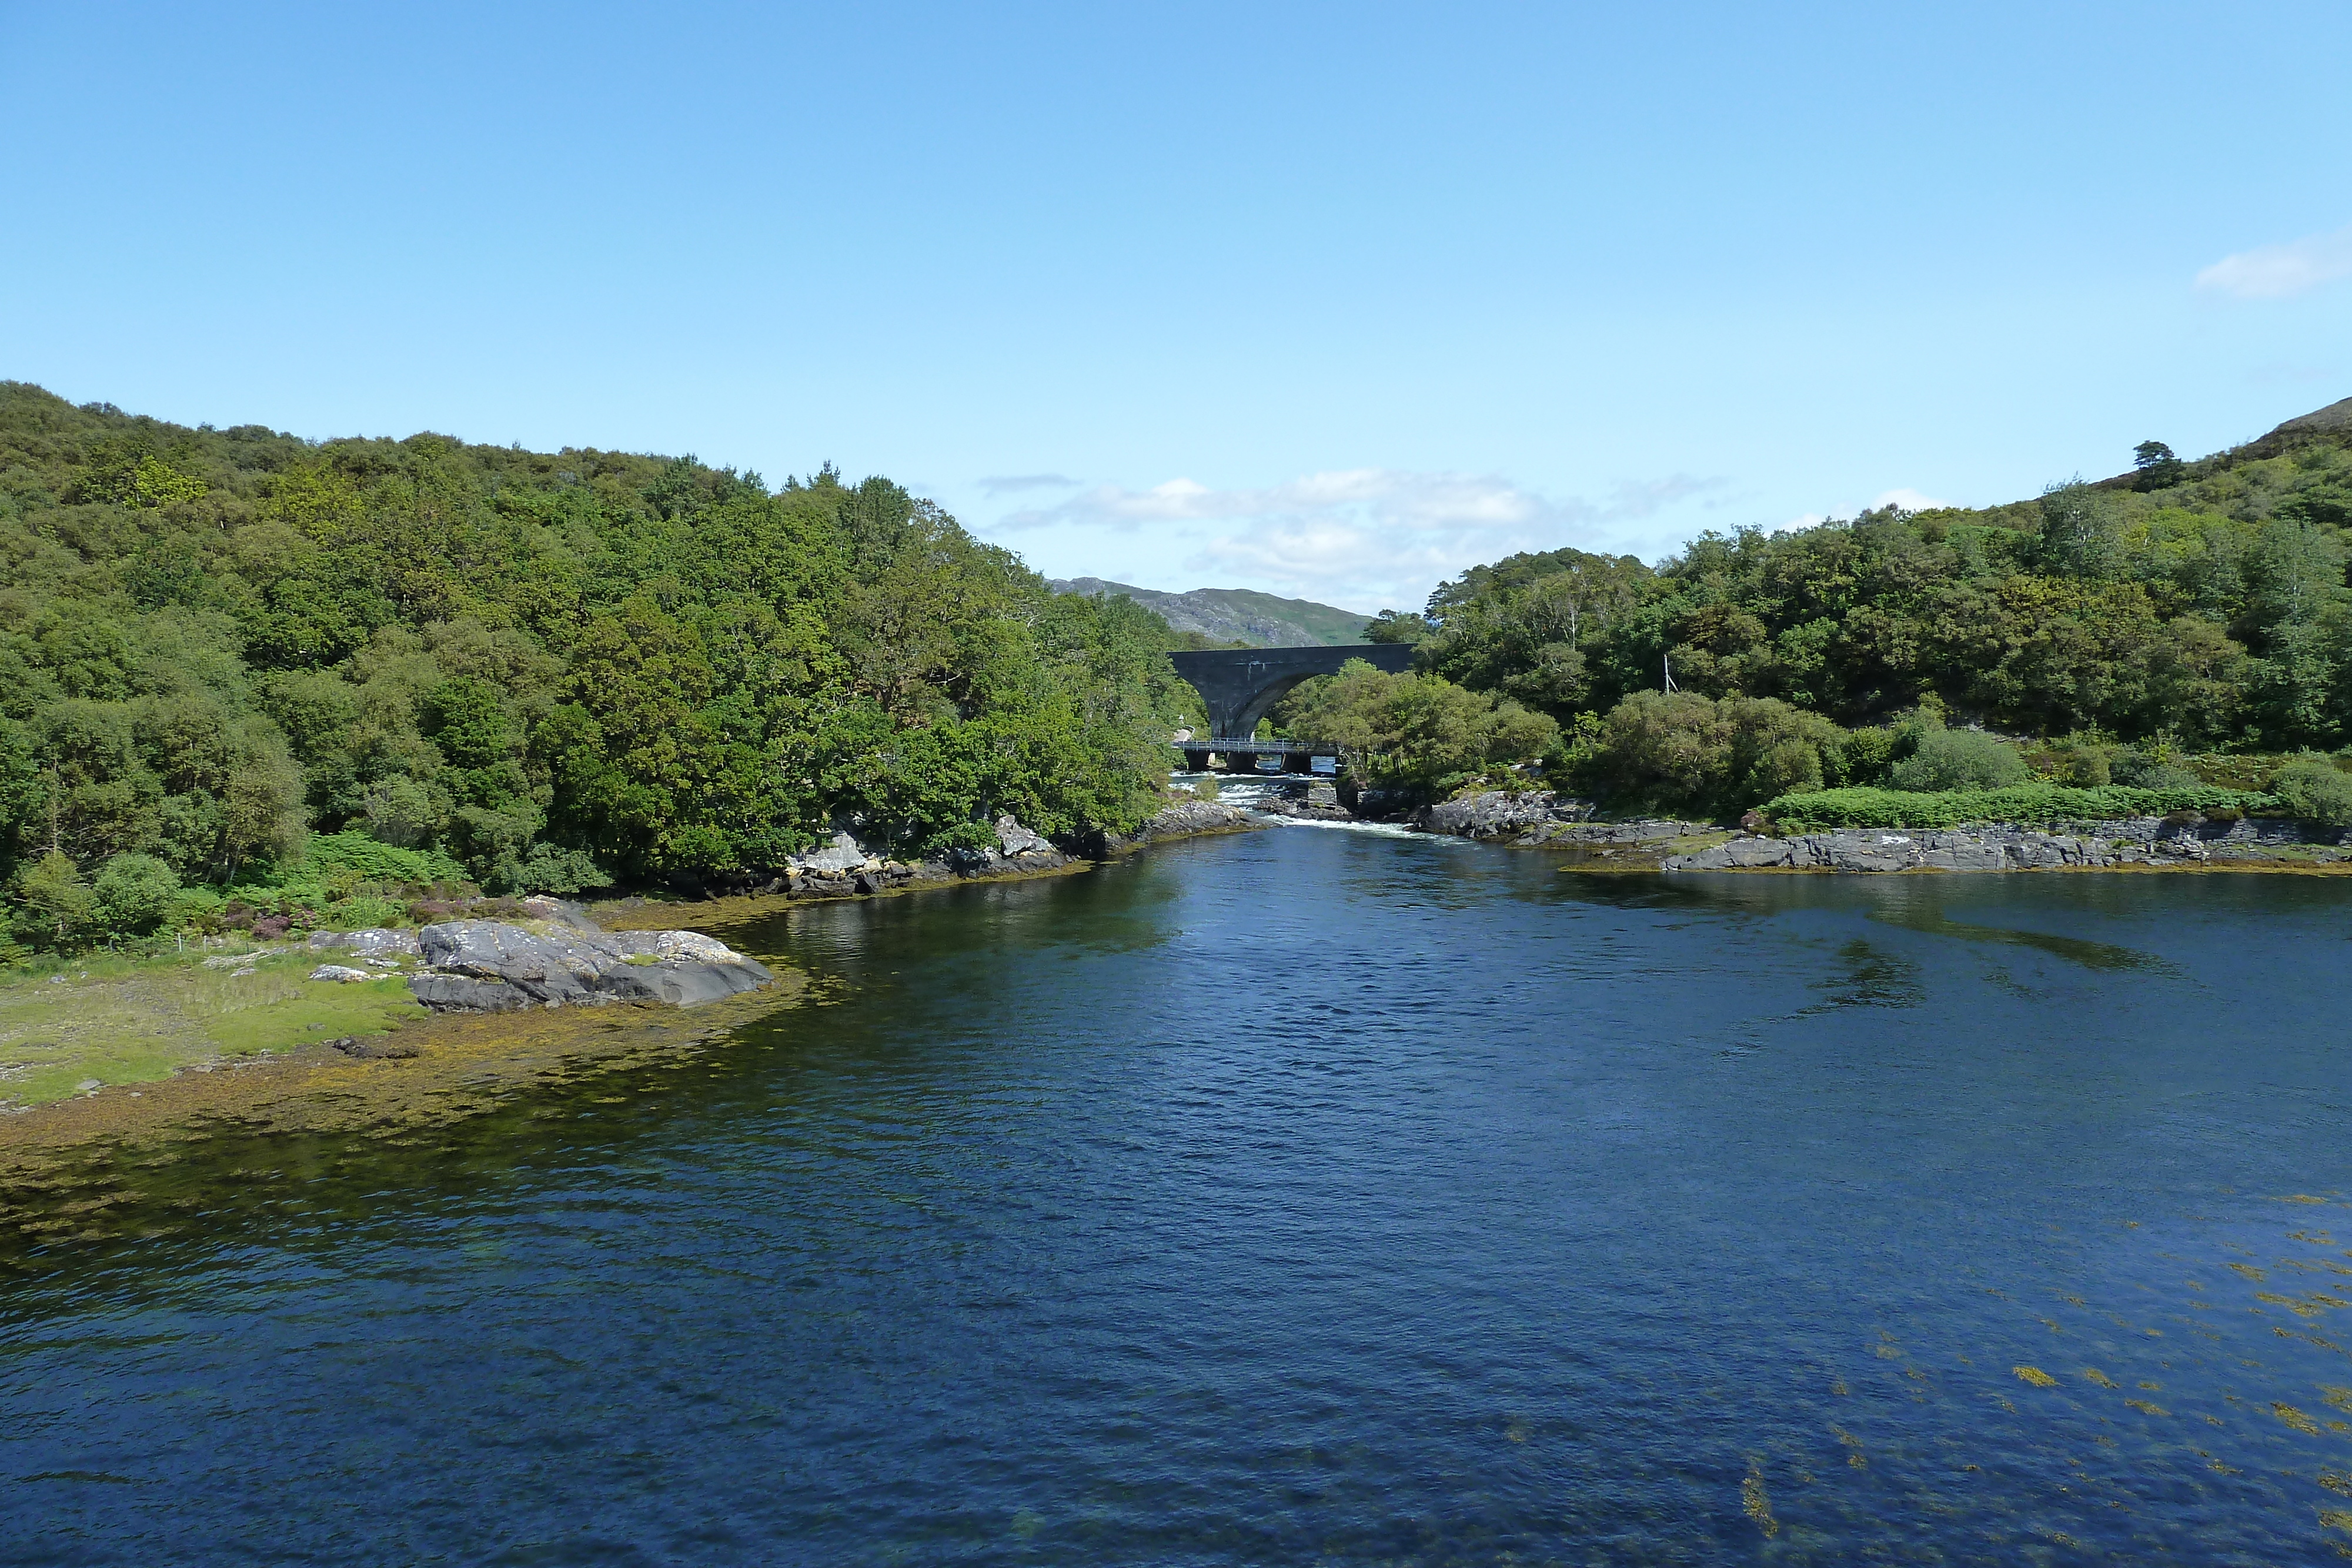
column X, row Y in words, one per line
column 563, row 957
column 1183, row 819
column 1542, row 819
column 2185, row 841
column 844, row 867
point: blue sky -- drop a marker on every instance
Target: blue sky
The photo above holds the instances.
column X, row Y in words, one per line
column 1329, row 300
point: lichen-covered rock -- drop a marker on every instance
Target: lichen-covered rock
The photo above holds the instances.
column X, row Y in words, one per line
column 340, row 974
column 1892, row 850
column 1529, row 816
column 365, row 944
column 1014, row 839
column 482, row 965
column 1492, row 814
column 843, row 855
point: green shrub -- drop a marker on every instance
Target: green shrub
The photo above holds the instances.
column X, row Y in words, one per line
column 2033, row 803
column 53, row 902
column 2315, row 789
column 133, row 894
column 1862, row 757
column 1206, row 789
column 1682, row 751
column 2141, row 771
column 2086, row 765
column 1959, row 759
column 372, row 859
column 1420, row 734
column 963, row 836
column 548, row 869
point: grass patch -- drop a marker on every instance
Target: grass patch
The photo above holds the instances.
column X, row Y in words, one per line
column 126, row 1021
column 2032, row 803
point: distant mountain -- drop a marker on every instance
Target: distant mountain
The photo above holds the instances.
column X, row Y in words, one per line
column 1237, row 614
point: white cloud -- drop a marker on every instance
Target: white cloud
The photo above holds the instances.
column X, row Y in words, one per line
column 2279, row 271
column 1379, row 536
column 1011, row 484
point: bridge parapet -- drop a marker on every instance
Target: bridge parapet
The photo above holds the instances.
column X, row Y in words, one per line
column 1249, row 747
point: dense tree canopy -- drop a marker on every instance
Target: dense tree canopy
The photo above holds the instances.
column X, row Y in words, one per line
column 2204, row 601
column 558, row 667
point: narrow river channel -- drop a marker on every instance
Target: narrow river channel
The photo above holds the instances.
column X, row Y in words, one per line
column 1304, row 1196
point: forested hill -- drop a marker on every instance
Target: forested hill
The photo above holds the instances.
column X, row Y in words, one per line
column 2196, row 604
column 558, row 667
column 1225, row 616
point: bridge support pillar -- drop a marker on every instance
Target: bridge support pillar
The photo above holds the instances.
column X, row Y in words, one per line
column 1196, row 761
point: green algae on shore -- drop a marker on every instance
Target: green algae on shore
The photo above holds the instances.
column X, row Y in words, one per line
column 63, row 1165
column 104, row 1021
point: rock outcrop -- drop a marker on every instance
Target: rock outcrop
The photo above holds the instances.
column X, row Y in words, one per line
column 365, row 945
column 2185, row 839
column 1884, row 851
column 842, row 867
column 1017, row 850
column 1501, row 814
column 1182, row 819
column 1539, row 818
column 483, row 966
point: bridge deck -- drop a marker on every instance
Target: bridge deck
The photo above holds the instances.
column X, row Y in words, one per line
column 1235, row 745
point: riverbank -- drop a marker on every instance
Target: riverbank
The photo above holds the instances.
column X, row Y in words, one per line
column 455, row 1067
column 2127, row 845
column 115, row 1048
column 2184, row 841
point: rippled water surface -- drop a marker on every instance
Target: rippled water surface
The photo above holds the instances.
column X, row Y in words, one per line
column 1309, row 1197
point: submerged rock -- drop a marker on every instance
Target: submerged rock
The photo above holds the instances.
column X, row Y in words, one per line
column 482, row 965
column 375, row 1049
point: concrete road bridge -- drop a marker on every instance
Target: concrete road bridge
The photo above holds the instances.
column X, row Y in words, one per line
column 1240, row 684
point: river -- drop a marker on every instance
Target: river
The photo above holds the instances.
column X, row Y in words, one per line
column 1305, row 1196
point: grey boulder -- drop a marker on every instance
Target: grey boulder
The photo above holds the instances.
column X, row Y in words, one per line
column 483, row 966
column 365, row 944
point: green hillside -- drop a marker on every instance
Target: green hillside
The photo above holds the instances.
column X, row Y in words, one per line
column 1228, row 615
column 544, row 670
column 2203, row 601
column 2108, row 630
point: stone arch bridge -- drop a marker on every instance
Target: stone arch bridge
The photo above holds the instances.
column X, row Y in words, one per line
column 1240, row 684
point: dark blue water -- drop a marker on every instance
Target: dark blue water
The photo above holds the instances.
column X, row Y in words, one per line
column 1304, row 1197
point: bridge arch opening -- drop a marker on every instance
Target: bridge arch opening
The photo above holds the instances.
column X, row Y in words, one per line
column 1239, row 685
